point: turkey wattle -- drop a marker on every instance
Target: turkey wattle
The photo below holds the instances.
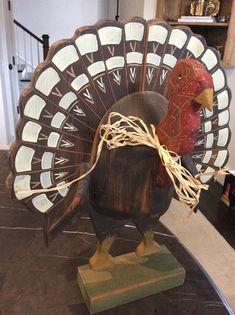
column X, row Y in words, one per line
column 99, row 69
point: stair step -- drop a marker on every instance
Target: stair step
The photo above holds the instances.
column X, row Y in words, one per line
column 23, row 86
column 26, row 76
column 25, row 80
column 20, row 68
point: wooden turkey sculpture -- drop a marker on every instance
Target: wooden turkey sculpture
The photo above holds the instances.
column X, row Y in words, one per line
column 135, row 68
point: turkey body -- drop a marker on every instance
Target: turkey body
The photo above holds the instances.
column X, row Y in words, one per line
column 128, row 188
column 123, row 185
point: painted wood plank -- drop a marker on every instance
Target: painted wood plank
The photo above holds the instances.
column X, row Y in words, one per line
column 132, row 278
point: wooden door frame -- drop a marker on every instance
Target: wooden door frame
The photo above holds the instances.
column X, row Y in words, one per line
column 9, row 87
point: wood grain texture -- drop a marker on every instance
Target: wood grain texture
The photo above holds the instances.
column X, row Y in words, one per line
column 229, row 52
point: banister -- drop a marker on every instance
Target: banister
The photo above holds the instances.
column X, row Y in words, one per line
column 44, row 41
column 45, row 45
column 28, row 31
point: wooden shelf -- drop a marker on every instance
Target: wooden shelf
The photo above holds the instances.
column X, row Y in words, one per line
column 214, row 24
column 223, row 36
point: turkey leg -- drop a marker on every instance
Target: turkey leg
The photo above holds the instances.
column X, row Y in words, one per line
column 147, row 246
column 102, row 260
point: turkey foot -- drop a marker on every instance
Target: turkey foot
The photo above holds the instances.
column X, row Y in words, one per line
column 102, row 260
column 147, row 246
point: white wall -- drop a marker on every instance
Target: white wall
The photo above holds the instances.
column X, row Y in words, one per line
column 103, row 9
column 58, row 18
column 131, row 8
column 150, row 9
column 112, row 11
column 128, row 8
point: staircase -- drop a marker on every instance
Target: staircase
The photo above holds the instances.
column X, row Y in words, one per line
column 30, row 51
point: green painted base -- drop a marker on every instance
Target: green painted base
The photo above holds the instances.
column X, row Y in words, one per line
column 131, row 279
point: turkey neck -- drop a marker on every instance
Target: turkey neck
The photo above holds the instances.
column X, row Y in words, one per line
column 178, row 129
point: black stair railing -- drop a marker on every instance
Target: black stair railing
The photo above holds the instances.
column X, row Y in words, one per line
column 31, row 50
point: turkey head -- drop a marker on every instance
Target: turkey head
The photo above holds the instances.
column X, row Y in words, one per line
column 190, row 87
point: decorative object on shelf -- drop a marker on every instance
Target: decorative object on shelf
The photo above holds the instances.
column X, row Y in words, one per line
column 198, row 7
column 205, row 7
column 222, row 19
column 220, row 49
column 138, row 69
column 192, row 7
column 212, row 7
column 228, row 194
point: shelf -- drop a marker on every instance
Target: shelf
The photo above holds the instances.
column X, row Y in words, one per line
column 223, row 35
column 214, row 24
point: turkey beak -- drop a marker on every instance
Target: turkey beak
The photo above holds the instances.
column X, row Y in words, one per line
column 206, row 98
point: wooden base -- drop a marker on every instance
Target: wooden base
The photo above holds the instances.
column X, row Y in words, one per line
column 132, row 278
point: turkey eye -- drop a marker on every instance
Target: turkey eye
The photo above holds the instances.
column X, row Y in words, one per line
column 179, row 76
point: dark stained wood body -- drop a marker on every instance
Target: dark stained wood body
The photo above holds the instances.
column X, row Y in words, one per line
column 123, row 184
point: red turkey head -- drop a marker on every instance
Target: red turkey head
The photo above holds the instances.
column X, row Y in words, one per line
column 190, row 86
column 190, row 79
